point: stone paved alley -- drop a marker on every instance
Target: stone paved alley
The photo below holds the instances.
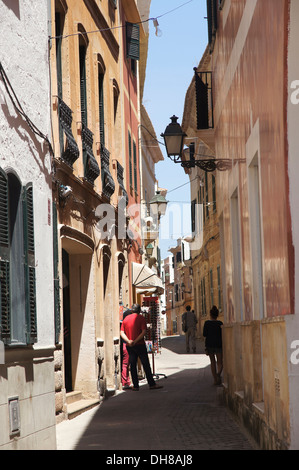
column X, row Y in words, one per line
column 186, row 414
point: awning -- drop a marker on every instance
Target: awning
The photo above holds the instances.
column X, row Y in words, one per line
column 146, row 280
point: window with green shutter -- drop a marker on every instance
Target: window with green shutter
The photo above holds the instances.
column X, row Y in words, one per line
column 135, row 167
column 101, row 107
column 17, row 262
column 193, row 216
column 83, row 96
column 130, row 159
column 29, row 261
column 132, row 40
column 56, row 275
column 211, row 287
column 5, row 323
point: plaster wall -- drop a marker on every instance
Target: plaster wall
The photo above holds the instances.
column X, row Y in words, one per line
column 292, row 325
column 28, row 373
column 250, row 129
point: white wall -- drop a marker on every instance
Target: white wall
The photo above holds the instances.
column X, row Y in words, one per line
column 24, row 57
column 29, row 373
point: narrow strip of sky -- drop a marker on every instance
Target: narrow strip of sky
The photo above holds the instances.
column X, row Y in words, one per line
column 171, row 59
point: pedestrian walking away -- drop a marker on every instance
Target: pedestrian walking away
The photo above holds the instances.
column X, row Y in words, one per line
column 189, row 327
column 133, row 330
column 213, row 343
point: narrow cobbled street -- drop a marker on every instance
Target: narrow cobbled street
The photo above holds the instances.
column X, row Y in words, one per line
column 186, row 414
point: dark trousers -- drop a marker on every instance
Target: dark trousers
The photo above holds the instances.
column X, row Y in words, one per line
column 139, row 350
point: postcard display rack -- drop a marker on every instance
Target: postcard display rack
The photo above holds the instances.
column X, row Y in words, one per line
column 151, row 311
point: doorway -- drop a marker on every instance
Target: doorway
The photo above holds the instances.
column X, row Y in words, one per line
column 67, row 321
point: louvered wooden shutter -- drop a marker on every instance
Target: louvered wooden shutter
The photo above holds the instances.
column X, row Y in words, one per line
column 5, row 321
column 132, row 36
column 56, row 276
column 212, row 7
column 82, row 53
column 130, row 159
column 101, row 108
column 135, row 166
column 29, row 263
column 202, row 103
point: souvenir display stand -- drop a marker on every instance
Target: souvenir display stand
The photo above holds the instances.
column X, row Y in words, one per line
column 151, row 311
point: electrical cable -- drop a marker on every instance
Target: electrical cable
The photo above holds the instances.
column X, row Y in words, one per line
column 119, row 27
column 18, row 107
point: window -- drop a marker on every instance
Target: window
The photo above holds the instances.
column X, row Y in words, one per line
column 212, row 7
column 130, row 159
column 214, row 193
column 135, row 166
column 83, row 96
column 211, row 287
column 132, row 44
column 219, row 288
column 203, row 297
column 207, row 195
column 132, row 40
column 59, row 32
column 101, row 105
column 193, row 215
column 17, row 262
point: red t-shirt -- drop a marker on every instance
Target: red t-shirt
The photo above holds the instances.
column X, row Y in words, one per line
column 133, row 325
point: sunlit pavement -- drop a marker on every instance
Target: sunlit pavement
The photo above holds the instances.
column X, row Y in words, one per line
column 186, row 414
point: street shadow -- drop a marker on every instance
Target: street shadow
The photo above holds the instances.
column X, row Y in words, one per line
column 177, row 344
column 149, row 419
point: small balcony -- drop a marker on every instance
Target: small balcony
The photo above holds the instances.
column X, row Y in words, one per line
column 108, row 185
column 204, row 106
column 91, row 167
column 68, row 145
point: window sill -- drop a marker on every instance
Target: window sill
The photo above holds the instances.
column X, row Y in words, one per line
column 259, row 407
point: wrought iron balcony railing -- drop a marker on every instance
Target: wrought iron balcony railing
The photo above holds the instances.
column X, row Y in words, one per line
column 120, row 179
column 91, row 167
column 69, row 148
column 108, row 185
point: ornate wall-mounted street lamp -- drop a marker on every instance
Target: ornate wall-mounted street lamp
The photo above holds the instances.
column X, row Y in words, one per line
column 158, row 205
column 174, row 141
column 149, row 250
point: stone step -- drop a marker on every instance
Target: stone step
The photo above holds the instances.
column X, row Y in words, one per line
column 71, row 397
column 76, row 408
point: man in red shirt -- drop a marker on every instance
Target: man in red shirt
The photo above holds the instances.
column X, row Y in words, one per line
column 133, row 330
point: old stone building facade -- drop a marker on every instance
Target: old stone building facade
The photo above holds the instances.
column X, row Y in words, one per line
column 254, row 112
column 27, row 397
column 97, row 167
column 205, row 250
column 65, row 245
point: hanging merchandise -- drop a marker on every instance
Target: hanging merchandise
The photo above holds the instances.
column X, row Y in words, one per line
column 151, row 311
